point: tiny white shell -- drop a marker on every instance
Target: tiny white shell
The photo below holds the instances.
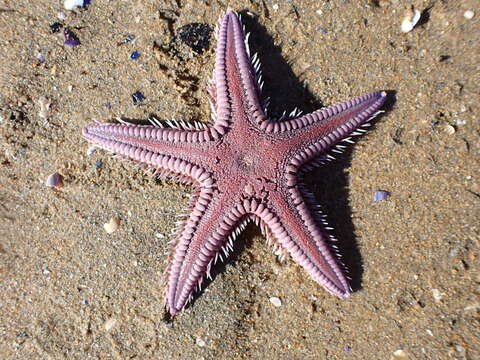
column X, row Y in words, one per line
column 275, row 301
column 110, row 324
column 410, row 20
column 91, row 149
column 449, row 129
column 469, row 14
column 112, row 225
column 71, row 4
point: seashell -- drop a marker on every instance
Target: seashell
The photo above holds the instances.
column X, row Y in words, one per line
column 469, row 14
column 54, row 180
column 275, row 301
column 112, row 225
column 380, row 195
column 411, row 19
column 449, row 129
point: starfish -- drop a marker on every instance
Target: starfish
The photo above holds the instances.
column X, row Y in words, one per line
column 244, row 167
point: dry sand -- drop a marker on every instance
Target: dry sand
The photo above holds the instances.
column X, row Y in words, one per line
column 69, row 290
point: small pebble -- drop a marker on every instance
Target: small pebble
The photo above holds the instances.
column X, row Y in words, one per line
column 69, row 37
column 134, row 55
column 41, row 57
column 110, row 324
column 347, row 348
column 200, row 342
column 411, row 19
column 55, row 27
column 54, row 180
column 401, row 354
column 98, row 164
column 61, row 15
column 112, row 225
column 137, row 97
column 275, row 7
column 469, row 14
column 91, row 149
column 275, row 301
column 437, row 295
column 380, row 195
column 129, row 38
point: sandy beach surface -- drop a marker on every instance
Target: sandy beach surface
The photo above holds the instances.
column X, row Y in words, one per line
column 70, row 290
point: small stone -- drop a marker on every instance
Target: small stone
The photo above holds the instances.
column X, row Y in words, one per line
column 55, row 27
column 400, row 354
column 61, row 15
column 41, row 57
column 134, row 55
column 469, row 14
column 69, row 38
column 138, row 97
column 110, row 324
column 453, row 252
column 275, row 301
column 437, row 295
column 129, row 38
column 200, row 342
column 275, row 7
column 54, row 180
column 98, row 164
column 112, row 225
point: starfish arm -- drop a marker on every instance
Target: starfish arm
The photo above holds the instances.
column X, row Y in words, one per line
column 293, row 227
column 214, row 222
column 324, row 128
column 235, row 86
column 142, row 143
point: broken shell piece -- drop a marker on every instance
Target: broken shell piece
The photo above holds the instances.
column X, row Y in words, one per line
column 45, row 107
column 91, row 149
column 112, row 225
column 71, row 4
column 275, row 301
column 449, row 129
column 54, row 180
column 411, row 19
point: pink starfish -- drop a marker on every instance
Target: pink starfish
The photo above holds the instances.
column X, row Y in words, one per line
column 245, row 167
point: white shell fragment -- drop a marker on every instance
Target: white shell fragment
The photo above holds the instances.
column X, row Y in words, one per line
column 449, row 129
column 411, row 19
column 469, row 14
column 45, row 107
column 110, row 324
column 54, row 180
column 112, row 225
column 91, row 149
column 275, row 301
column 400, row 354
column 71, row 4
